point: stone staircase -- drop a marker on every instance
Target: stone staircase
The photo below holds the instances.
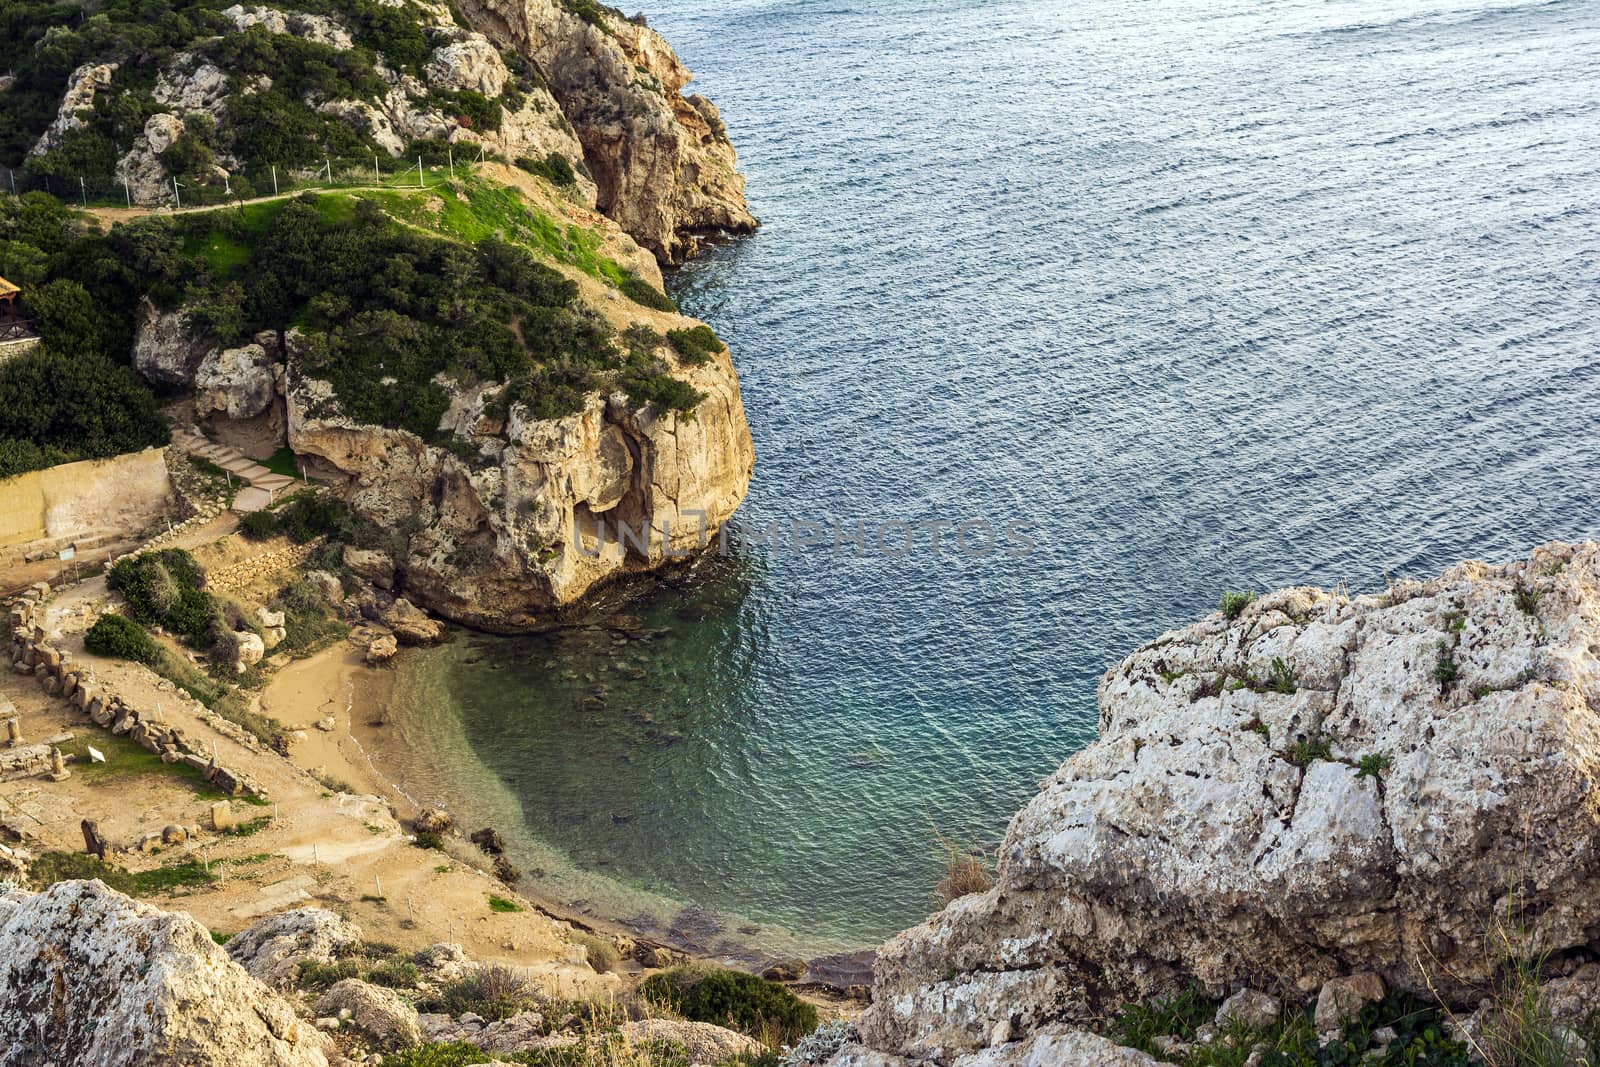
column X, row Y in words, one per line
column 261, row 485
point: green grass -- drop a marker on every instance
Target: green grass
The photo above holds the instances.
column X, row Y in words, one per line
column 471, row 209
column 283, row 462
column 125, row 759
column 501, row 904
column 54, row 867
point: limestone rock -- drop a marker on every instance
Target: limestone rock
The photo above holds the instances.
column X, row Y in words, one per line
column 251, row 648
column 547, row 520
column 471, row 63
column 664, row 168
column 375, row 1011
column 273, row 948
column 90, row 977
column 411, row 625
column 704, row 1042
column 236, row 382
column 1052, row 1047
column 82, row 85
column 382, row 649
column 164, row 349
column 1307, row 794
column 432, row 821
column 318, row 29
column 1342, row 999
column 1250, row 1007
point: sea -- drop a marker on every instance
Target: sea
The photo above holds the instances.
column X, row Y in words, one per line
column 1064, row 318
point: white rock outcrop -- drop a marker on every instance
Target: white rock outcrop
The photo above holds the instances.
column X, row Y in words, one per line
column 539, row 523
column 82, row 85
column 377, row 1012
column 273, row 948
column 165, row 350
column 235, row 382
column 90, row 978
column 1320, row 787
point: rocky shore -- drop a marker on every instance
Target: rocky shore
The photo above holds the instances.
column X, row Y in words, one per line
column 1308, row 795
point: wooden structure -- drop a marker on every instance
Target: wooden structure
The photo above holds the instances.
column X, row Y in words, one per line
column 9, row 295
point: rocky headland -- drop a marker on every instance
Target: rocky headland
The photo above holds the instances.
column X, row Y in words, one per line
column 1308, row 798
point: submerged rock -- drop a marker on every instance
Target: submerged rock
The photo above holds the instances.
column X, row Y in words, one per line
column 1320, row 786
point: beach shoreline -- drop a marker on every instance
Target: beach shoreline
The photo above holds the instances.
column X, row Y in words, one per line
column 371, row 748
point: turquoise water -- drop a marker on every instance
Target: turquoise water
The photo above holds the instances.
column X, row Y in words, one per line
column 1209, row 296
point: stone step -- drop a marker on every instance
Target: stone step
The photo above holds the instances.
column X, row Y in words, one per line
column 251, row 499
column 237, row 464
column 272, row 482
column 253, row 471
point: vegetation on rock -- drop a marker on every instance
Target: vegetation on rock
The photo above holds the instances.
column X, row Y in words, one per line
column 741, row 1001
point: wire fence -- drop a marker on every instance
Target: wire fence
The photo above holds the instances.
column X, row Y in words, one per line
column 225, row 186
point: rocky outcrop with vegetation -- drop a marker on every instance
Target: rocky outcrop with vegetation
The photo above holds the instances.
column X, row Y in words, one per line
column 1304, row 789
column 662, row 162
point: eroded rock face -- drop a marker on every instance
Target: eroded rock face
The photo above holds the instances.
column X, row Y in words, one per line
column 1320, row 787
column 663, row 163
column 90, row 977
column 165, row 351
column 536, row 521
column 82, row 85
column 236, row 382
column 273, row 948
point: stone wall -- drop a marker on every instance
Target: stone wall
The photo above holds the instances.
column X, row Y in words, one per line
column 58, row 676
column 86, row 504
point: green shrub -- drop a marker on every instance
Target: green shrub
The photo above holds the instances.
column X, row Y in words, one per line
column 318, row 975
column 696, row 346
column 644, row 294
column 1373, row 764
column 63, row 404
column 554, row 168
column 121, row 638
column 1309, row 750
column 660, row 391
column 164, row 589
column 744, row 1002
column 259, row 525
column 394, row 973
column 494, row 991
column 502, row 904
column 1233, row 604
column 429, row 839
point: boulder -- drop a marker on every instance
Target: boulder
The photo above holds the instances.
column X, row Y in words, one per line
column 411, row 625
column 82, row 85
column 704, row 1042
column 1322, row 785
column 235, row 382
column 432, row 821
column 273, row 948
column 164, row 350
column 377, row 1012
column 251, row 648
column 376, row 567
column 381, row 649
column 90, row 978
column 470, row 63
column 1342, row 999
column 785, row 970
column 1251, row 1008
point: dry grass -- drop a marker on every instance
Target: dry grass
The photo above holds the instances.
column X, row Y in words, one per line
column 966, row 871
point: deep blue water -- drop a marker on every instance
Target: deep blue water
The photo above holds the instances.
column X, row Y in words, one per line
column 1209, row 294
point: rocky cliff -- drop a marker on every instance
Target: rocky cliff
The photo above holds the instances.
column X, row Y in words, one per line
column 662, row 162
column 526, row 515
column 1319, row 786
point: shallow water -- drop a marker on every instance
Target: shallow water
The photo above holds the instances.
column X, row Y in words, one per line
column 1210, row 296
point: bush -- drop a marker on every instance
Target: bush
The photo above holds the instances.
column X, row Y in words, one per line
column 1233, row 604
column 494, row 991
column 259, row 525
column 696, row 346
column 163, row 589
column 644, row 294
column 59, row 405
column 601, row 952
column 744, row 1002
column 121, row 638
column 554, row 168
